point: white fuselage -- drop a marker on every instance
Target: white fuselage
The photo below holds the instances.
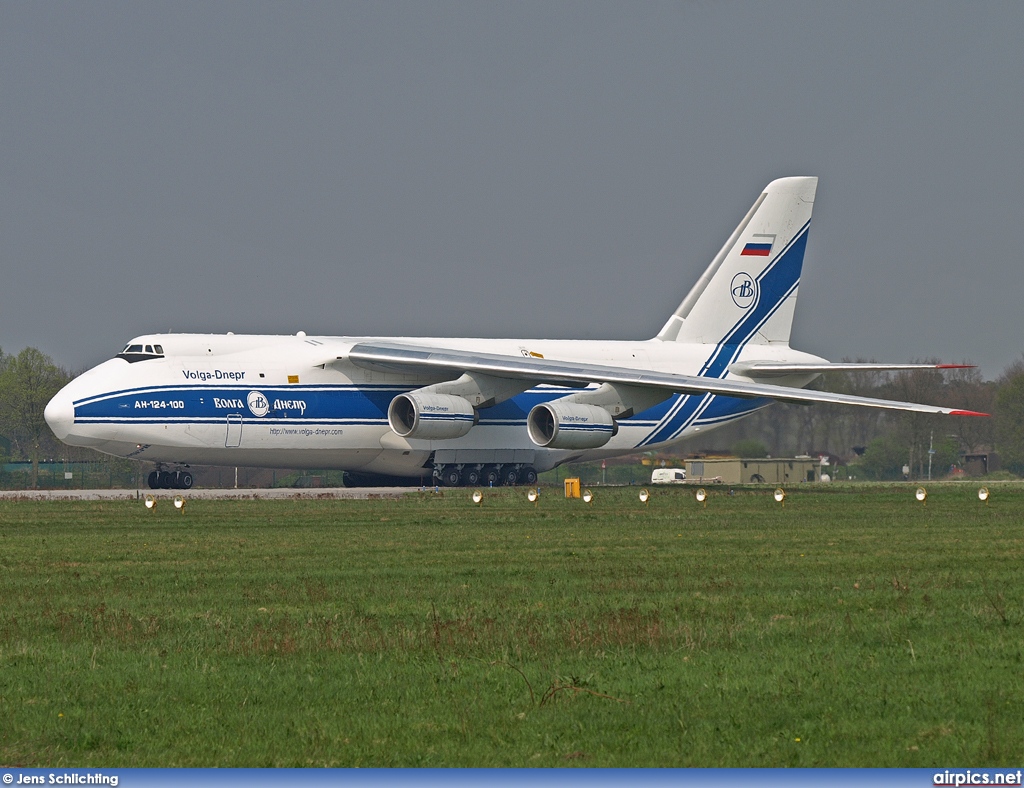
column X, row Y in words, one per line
column 298, row 402
column 462, row 407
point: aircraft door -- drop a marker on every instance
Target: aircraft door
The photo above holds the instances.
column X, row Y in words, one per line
column 233, row 439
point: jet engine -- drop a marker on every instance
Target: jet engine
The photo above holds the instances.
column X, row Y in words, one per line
column 567, row 425
column 427, row 416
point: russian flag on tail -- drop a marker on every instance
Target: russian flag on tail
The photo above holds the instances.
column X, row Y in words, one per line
column 760, row 247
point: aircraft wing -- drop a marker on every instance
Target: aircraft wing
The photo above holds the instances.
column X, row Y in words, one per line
column 426, row 360
column 767, row 369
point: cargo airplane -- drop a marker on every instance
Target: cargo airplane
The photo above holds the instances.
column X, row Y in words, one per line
column 469, row 411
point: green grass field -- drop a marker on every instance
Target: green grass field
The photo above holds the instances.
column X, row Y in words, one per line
column 852, row 627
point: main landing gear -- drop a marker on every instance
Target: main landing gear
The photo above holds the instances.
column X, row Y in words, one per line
column 161, row 479
column 507, row 475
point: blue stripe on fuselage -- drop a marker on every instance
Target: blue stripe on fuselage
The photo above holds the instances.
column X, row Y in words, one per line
column 345, row 406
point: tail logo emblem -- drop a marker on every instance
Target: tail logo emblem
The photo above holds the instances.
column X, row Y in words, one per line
column 743, row 290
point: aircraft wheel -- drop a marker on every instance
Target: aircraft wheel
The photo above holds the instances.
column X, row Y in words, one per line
column 490, row 476
column 450, row 477
column 166, row 480
column 470, row 476
column 528, row 476
column 509, row 476
column 154, row 480
column 185, row 480
column 757, row 478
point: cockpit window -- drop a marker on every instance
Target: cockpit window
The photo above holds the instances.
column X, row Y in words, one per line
column 133, row 353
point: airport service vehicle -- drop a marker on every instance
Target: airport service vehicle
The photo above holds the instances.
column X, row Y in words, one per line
column 469, row 411
column 668, row 476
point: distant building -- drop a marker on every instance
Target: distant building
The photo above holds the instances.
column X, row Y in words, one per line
column 981, row 464
column 737, row 470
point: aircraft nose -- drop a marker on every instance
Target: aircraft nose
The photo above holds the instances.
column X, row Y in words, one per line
column 60, row 414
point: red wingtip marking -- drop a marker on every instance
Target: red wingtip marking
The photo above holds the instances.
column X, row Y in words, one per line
column 968, row 413
column 956, row 366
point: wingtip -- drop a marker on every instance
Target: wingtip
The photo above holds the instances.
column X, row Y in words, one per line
column 956, row 366
column 969, row 413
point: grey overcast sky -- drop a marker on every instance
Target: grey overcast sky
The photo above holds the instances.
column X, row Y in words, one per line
column 533, row 169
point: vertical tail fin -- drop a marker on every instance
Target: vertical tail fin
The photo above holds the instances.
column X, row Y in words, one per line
column 748, row 293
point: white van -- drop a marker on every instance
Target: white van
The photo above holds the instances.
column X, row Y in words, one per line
column 668, row 476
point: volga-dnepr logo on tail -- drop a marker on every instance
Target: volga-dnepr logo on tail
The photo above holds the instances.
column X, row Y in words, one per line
column 744, row 290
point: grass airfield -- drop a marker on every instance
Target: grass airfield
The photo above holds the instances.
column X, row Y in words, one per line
column 853, row 626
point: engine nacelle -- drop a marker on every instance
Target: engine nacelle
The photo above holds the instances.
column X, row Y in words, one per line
column 568, row 425
column 427, row 416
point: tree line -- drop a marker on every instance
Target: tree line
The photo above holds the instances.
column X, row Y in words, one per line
column 882, row 442
column 28, row 381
